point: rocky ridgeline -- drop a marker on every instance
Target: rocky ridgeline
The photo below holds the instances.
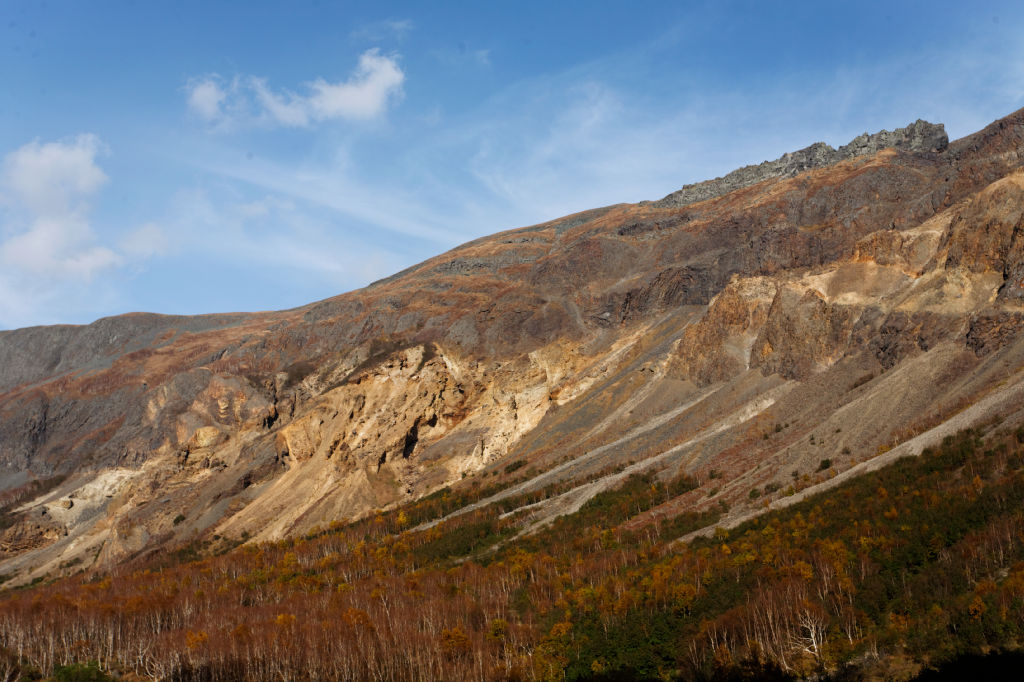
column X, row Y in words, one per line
column 919, row 136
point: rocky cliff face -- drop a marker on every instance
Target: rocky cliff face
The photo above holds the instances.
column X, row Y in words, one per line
column 828, row 306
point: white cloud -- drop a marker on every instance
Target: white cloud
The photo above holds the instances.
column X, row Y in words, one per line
column 205, row 97
column 58, row 248
column 287, row 109
column 49, row 254
column 375, row 83
column 53, row 178
column 48, row 187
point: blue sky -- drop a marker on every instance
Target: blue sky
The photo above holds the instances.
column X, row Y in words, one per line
column 192, row 157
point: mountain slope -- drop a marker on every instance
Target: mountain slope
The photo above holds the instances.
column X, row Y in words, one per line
column 759, row 334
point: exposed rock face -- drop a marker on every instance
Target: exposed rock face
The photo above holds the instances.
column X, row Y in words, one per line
column 802, row 332
column 989, row 236
column 990, row 332
column 718, row 346
column 919, row 136
column 859, row 294
column 671, row 288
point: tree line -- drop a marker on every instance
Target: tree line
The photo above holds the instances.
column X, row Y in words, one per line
column 906, row 567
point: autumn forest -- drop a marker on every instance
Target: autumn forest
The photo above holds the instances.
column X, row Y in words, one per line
column 908, row 567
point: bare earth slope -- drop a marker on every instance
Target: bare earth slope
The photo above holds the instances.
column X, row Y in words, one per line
column 762, row 332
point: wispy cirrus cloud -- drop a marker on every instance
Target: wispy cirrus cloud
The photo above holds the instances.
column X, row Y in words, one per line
column 374, row 85
column 393, row 211
column 145, row 242
column 266, row 231
column 377, row 31
column 463, row 54
column 567, row 141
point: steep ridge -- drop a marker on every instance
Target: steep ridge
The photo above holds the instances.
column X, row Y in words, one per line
column 759, row 335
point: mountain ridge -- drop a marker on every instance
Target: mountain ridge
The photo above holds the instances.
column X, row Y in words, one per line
column 918, row 137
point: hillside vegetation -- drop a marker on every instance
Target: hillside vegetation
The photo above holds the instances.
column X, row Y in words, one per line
column 903, row 568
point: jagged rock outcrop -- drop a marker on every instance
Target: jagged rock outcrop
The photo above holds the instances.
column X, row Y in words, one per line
column 919, row 136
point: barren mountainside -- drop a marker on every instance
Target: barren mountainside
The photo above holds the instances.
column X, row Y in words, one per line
column 778, row 330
